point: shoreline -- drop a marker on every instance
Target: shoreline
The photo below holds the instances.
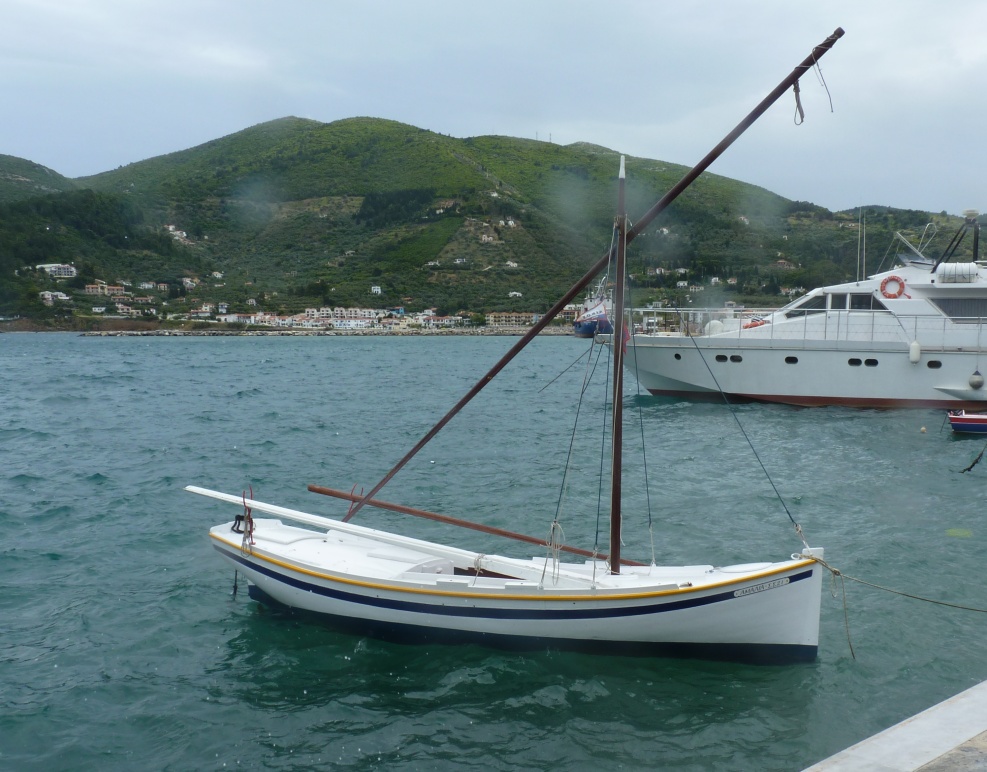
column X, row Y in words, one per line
column 477, row 331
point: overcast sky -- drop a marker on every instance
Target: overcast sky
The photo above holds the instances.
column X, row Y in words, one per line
column 90, row 85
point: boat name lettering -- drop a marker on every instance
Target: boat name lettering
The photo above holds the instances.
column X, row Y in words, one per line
column 761, row 587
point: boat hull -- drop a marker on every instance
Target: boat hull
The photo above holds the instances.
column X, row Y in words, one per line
column 590, row 328
column 969, row 424
column 766, row 613
column 880, row 376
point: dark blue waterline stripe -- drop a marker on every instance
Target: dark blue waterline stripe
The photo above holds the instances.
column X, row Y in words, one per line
column 491, row 613
column 747, row 653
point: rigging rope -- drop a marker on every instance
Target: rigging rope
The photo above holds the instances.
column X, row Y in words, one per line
column 245, row 524
column 726, row 401
column 822, row 81
column 603, row 447
column 799, row 112
column 644, row 447
column 587, row 376
column 574, row 363
column 555, row 540
column 591, row 365
column 606, row 412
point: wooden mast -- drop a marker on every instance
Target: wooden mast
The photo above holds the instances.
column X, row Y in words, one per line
column 617, row 346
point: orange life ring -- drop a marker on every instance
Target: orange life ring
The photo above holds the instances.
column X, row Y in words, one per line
column 893, row 295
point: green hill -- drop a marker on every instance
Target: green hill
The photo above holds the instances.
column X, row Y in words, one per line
column 294, row 213
column 20, row 179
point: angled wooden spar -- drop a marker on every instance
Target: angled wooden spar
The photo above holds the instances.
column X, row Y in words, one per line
column 580, row 285
column 463, row 523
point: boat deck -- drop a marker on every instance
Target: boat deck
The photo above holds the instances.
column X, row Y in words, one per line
column 409, row 564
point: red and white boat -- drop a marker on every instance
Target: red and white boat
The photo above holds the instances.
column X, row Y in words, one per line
column 968, row 423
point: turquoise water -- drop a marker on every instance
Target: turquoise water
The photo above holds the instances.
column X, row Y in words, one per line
column 121, row 646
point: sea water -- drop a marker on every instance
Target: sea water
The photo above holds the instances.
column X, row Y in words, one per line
column 123, row 647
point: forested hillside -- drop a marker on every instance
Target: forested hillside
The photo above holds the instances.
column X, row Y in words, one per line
column 295, row 213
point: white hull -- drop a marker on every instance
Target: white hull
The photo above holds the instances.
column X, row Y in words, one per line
column 410, row 589
column 821, row 374
column 912, row 337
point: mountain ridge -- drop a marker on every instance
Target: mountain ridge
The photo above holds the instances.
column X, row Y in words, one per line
column 301, row 212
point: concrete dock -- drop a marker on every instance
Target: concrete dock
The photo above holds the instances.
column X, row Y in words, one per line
column 948, row 737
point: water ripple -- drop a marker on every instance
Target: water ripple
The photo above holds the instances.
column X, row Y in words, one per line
column 123, row 647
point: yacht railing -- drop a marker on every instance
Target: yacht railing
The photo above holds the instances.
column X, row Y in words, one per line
column 755, row 326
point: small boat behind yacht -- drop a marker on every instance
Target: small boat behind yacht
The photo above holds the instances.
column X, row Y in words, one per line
column 594, row 318
column 968, row 423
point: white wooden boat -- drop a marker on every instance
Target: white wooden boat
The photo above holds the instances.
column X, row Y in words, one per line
column 401, row 588
column 393, row 585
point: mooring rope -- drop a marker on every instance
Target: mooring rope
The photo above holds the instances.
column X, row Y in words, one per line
column 903, row 594
column 976, row 461
column 838, row 575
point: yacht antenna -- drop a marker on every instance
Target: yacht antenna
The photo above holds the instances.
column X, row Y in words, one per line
column 969, row 223
column 861, row 242
column 907, row 243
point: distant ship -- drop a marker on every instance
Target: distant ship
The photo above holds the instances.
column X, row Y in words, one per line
column 595, row 314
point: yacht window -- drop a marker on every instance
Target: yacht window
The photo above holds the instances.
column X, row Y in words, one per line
column 721, row 357
column 853, row 362
column 933, row 364
column 837, row 302
column 791, row 360
column 870, row 362
column 678, row 356
column 861, row 302
column 962, row 309
column 736, row 358
column 814, row 305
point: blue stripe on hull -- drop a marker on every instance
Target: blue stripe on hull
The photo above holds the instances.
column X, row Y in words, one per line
column 752, row 654
column 963, row 428
column 590, row 328
column 493, row 613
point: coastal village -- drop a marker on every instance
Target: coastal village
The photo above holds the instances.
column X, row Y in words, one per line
column 148, row 299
